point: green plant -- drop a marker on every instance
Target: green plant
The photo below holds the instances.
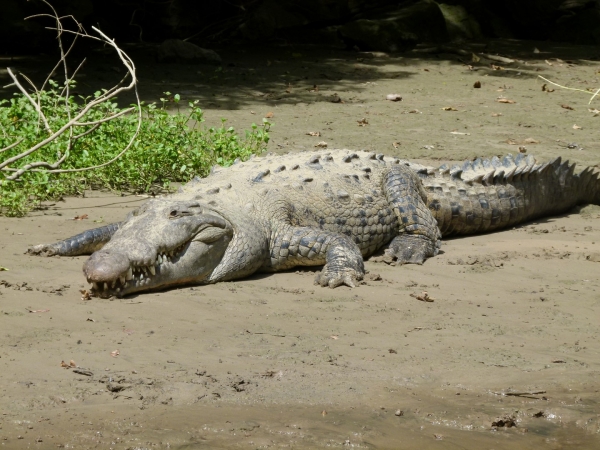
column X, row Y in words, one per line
column 169, row 147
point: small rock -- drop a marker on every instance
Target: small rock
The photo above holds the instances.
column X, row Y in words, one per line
column 595, row 257
column 393, row 97
column 399, row 413
column 506, row 421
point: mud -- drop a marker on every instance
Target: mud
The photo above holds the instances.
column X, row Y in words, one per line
column 503, row 355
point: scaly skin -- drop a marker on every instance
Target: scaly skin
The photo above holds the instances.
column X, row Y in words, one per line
column 330, row 208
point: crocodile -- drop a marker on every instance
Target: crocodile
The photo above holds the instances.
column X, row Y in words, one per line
column 321, row 208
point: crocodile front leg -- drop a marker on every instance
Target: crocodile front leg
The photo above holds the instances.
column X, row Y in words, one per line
column 307, row 246
column 84, row 243
column 419, row 236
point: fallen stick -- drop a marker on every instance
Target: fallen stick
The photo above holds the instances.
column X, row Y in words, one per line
column 520, row 393
column 497, row 58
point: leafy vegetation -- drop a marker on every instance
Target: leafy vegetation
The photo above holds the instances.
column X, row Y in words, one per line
column 170, row 147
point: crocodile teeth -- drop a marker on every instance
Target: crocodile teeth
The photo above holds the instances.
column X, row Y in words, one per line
column 95, row 286
column 129, row 274
column 122, row 280
column 105, row 287
column 141, row 276
column 159, row 259
column 152, row 270
column 113, row 284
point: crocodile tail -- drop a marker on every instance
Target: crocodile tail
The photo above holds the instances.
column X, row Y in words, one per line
column 491, row 194
column 589, row 186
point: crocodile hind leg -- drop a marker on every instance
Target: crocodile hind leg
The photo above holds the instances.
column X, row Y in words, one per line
column 84, row 243
column 419, row 236
column 307, row 246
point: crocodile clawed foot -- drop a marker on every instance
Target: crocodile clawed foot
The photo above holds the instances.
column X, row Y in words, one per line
column 349, row 277
column 411, row 249
column 43, row 250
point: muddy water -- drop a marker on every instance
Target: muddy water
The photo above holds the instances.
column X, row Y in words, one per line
column 448, row 425
column 275, row 362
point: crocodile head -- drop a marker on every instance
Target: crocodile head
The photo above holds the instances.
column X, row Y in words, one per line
column 162, row 244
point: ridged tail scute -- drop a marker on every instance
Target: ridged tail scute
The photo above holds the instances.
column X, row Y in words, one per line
column 589, row 180
column 490, row 194
column 494, row 170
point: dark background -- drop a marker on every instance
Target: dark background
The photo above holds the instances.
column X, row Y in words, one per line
column 387, row 25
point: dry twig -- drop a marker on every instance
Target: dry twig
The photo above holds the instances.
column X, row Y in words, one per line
column 572, row 89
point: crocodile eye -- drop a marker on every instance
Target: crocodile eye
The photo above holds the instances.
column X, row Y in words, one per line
column 173, row 213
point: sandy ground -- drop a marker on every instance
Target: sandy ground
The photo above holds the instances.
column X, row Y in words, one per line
column 275, row 362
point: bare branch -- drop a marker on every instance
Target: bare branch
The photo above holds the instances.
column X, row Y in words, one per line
column 69, row 124
column 136, row 25
column 73, row 119
column 594, row 96
column 28, row 167
column 106, row 119
column 94, row 128
column 35, row 105
column 72, row 78
column 60, row 29
column 13, row 145
column 37, row 94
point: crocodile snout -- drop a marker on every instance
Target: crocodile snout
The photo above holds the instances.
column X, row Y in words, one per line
column 105, row 266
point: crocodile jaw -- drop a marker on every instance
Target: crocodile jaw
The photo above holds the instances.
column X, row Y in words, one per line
column 192, row 263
